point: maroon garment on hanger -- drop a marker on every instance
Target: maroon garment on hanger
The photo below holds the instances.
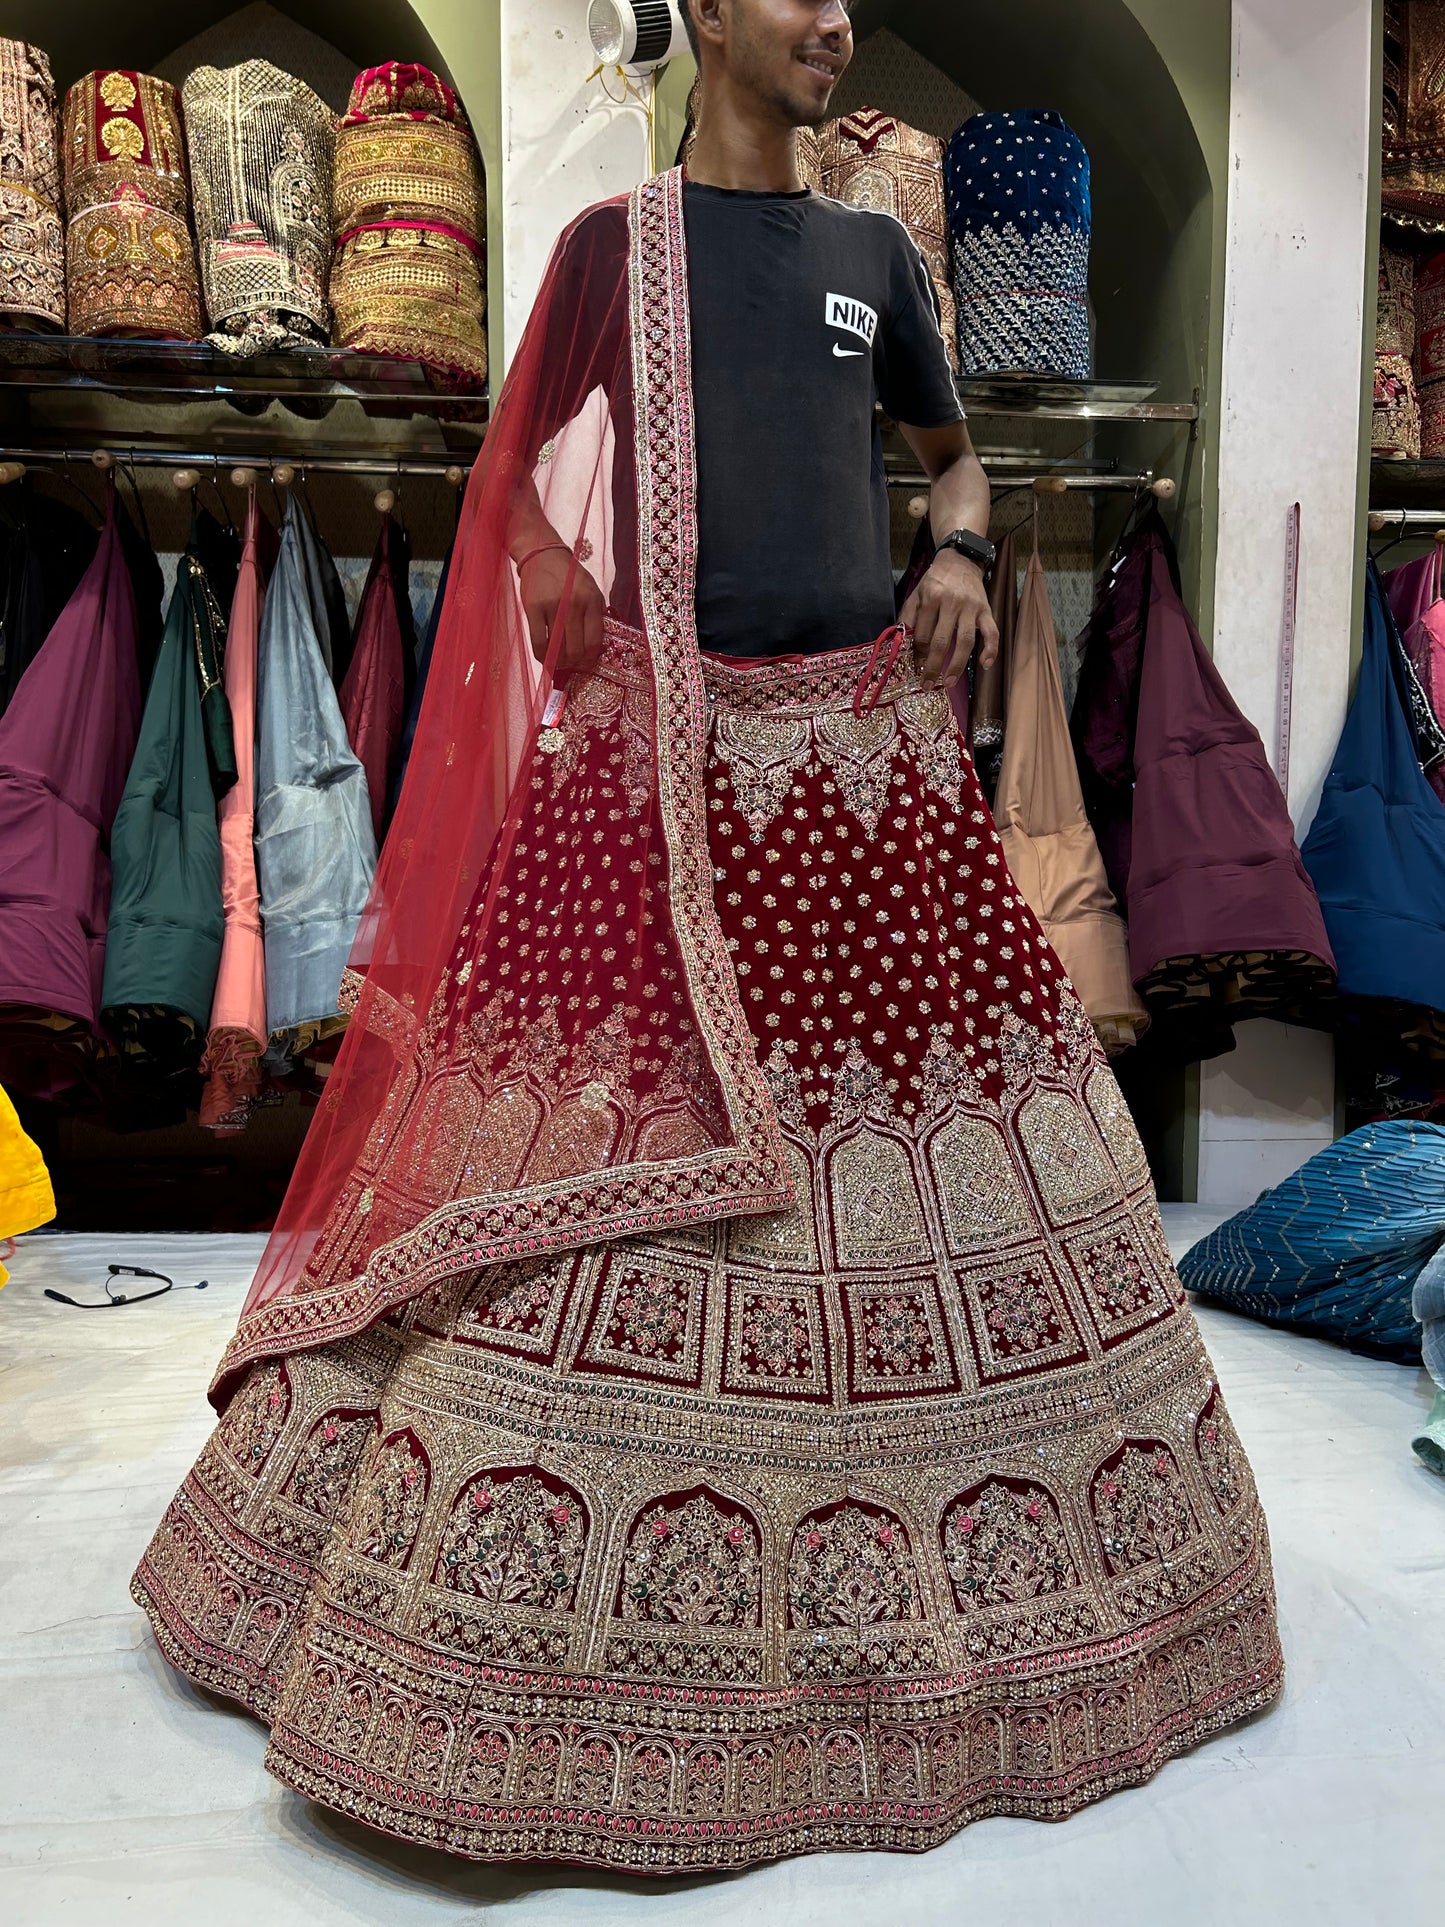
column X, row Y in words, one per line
column 1223, row 920
column 373, row 693
column 66, row 744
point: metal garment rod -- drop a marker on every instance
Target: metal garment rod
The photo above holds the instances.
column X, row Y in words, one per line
column 1382, row 521
column 210, row 462
column 1054, row 484
column 1046, row 481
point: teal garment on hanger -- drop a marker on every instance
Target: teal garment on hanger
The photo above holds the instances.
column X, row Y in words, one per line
column 166, row 916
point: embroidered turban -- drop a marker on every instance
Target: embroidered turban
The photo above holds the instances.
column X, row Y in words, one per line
column 407, row 276
column 32, row 242
column 130, row 259
column 1019, row 221
column 262, row 149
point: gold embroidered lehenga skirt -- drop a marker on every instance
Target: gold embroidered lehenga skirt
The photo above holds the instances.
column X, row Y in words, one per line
column 836, row 1528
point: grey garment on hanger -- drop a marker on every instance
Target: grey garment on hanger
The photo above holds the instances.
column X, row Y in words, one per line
column 315, row 850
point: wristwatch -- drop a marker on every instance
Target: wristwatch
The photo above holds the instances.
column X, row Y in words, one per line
column 974, row 548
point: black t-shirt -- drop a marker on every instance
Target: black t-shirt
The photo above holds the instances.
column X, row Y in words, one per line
column 804, row 314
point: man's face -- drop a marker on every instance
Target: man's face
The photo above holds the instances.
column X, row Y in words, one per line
column 790, row 54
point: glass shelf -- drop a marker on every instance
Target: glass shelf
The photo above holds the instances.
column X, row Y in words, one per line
column 180, row 371
column 1043, row 398
column 1403, row 485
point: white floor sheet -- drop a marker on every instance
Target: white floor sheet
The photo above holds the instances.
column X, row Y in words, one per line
column 127, row 1797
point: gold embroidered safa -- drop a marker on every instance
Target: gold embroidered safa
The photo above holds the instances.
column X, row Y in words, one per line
column 32, row 242
column 1412, row 176
column 130, row 258
column 407, row 277
column 262, row 148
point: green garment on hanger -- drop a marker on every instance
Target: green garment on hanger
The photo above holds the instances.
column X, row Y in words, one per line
column 166, row 919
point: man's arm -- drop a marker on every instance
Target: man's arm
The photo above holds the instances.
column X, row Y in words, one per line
column 948, row 612
column 555, row 587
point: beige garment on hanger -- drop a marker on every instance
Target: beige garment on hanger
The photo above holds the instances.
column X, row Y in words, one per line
column 1046, row 835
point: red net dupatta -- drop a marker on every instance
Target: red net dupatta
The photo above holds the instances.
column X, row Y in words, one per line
column 547, row 1047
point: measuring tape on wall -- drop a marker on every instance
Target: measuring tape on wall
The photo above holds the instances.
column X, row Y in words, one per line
column 1286, row 649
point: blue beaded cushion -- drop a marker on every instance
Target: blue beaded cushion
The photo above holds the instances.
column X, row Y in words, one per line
column 1019, row 218
column 1340, row 1248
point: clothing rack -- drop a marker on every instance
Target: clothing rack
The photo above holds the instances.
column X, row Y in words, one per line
column 244, row 468
column 1049, row 482
column 1401, row 521
column 1002, row 473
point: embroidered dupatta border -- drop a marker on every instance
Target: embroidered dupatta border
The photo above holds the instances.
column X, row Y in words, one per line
column 751, row 1176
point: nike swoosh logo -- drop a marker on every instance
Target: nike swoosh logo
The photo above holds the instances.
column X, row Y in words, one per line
column 840, row 352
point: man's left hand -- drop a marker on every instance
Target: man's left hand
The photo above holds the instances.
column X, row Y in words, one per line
column 949, row 615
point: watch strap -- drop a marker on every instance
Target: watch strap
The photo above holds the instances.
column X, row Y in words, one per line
column 977, row 548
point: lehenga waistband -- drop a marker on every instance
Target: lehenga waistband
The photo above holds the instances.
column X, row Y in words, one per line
column 825, row 681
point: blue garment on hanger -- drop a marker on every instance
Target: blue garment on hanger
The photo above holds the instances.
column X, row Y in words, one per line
column 1337, row 1248
column 315, row 847
column 423, row 664
column 1376, row 850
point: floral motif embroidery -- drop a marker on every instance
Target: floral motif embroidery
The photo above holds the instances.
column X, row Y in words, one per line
column 1003, row 1544
column 594, row 1776
column 858, row 751
column 326, row 1463
column 927, row 719
column 897, row 1337
column 707, row 1782
column 649, row 1316
column 1122, row 1288
column 1021, row 1312
column 649, row 1780
column 776, row 1340
column 851, row 1567
column 484, row 1776
column 514, row 1541
column 517, row 1298
column 256, row 1416
column 1221, row 1455
column 858, row 1086
column 693, row 1564
column 784, row 1085
column 763, row 755
column 1141, row 1507
column 391, row 1500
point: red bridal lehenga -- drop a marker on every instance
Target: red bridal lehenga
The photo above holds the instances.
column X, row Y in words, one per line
column 718, row 1388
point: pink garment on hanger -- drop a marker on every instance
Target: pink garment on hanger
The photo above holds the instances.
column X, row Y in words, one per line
column 237, row 1035
column 1418, row 606
column 1046, row 835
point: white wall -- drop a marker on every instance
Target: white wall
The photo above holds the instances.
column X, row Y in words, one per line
column 1302, row 120
column 564, row 143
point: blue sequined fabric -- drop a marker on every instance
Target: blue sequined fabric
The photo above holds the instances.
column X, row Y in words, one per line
column 1019, row 217
column 1337, row 1248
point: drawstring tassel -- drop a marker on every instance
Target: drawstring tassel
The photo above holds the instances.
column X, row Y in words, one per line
column 886, row 650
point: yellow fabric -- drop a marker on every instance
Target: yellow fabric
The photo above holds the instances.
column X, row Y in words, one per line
column 26, row 1198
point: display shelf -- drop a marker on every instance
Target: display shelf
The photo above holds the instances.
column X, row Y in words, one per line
column 1039, row 398
column 1403, row 485
column 177, row 372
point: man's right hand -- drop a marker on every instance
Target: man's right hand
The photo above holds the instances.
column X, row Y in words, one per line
column 555, row 588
